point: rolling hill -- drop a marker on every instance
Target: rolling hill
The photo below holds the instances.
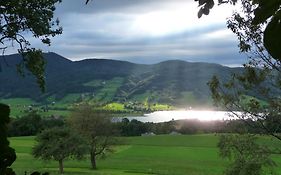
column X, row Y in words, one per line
column 178, row 83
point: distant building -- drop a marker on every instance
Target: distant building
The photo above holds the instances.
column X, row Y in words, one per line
column 174, row 133
column 148, row 134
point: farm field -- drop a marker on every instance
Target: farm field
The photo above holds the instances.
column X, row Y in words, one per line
column 163, row 155
column 21, row 106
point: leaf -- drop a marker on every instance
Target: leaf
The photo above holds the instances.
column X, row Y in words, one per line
column 266, row 9
column 35, row 63
column 206, row 5
column 201, row 2
column 206, row 11
column 210, row 4
column 272, row 37
column 200, row 12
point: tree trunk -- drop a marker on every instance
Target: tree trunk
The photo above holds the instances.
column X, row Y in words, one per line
column 61, row 166
column 93, row 161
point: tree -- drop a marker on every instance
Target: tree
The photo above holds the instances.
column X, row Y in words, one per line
column 7, row 154
column 16, row 18
column 248, row 158
column 96, row 128
column 27, row 125
column 265, row 12
column 256, row 91
column 32, row 123
column 36, row 17
column 59, row 144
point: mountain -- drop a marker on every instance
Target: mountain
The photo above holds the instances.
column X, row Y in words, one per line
column 171, row 82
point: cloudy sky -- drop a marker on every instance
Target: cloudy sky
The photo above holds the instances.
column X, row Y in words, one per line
column 144, row 31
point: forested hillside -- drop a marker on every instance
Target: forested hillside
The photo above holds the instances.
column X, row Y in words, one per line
column 170, row 82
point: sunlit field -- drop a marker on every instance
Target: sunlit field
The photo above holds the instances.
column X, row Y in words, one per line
column 163, row 155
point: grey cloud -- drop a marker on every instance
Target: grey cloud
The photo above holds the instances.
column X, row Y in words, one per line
column 96, row 38
column 101, row 30
column 114, row 6
column 189, row 46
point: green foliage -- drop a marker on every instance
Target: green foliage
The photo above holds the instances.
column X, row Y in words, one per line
column 270, row 11
column 34, row 62
column 95, row 127
column 261, row 76
column 27, row 125
column 32, row 123
column 7, row 154
column 272, row 37
column 131, row 128
column 59, row 144
column 249, row 158
column 207, row 5
column 36, row 17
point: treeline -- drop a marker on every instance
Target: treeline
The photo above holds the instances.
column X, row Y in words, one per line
column 32, row 123
column 192, row 126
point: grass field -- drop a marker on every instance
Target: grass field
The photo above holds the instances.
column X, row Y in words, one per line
column 18, row 105
column 163, row 155
column 21, row 106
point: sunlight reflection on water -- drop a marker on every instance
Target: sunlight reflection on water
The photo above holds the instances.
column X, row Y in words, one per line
column 164, row 116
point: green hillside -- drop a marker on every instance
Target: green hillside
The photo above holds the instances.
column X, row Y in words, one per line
column 173, row 83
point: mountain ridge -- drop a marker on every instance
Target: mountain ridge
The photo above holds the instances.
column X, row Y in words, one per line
column 172, row 82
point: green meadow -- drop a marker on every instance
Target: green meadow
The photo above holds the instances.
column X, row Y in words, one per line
column 163, row 155
column 63, row 107
column 19, row 106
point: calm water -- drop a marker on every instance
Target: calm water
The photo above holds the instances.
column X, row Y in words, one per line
column 164, row 116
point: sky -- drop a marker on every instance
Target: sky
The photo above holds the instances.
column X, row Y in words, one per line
column 144, row 31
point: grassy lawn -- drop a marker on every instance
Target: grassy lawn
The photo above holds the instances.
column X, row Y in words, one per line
column 114, row 107
column 163, row 155
column 19, row 106
column 160, row 107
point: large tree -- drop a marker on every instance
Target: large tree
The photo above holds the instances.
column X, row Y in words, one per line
column 257, row 91
column 97, row 129
column 18, row 17
column 246, row 156
column 59, row 144
column 7, row 154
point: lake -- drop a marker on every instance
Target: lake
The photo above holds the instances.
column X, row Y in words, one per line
column 165, row 116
